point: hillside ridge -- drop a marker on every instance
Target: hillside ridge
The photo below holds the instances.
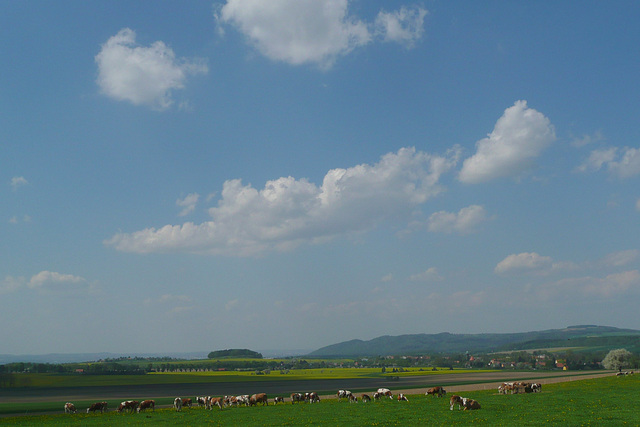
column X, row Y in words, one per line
column 446, row 342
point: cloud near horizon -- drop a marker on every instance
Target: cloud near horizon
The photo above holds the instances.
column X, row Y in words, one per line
column 288, row 212
column 315, row 31
column 47, row 281
column 142, row 75
column 518, row 138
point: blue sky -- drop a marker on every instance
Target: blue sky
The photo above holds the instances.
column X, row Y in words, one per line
column 291, row 174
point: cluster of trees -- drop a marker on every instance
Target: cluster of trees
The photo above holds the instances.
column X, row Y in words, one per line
column 235, row 353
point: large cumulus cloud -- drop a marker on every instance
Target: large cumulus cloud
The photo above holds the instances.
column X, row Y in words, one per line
column 289, row 211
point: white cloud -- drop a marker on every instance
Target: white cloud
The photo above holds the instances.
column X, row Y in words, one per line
column 620, row 162
column 297, row 31
column 47, row 281
column 588, row 139
column 387, row 278
column 314, row 31
column 17, row 182
column 53, row 280
column 596, row 159
column 609, row 286
column 288, row 212
column 526, row 261
column 429, row 275
column 188, row 204
column 518, row 138
column 405, row 26
column 618, row 259
column 465, row 221
column 142, row 75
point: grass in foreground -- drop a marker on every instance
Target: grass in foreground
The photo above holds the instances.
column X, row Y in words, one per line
column 584, row 402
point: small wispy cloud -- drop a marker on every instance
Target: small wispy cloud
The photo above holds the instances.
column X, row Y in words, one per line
column 17, row 182
column 188, row 203
column 463, row 222
column 619, row 162
column 429, row 275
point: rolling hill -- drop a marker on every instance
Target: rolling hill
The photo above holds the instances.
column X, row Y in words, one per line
column 604, row 337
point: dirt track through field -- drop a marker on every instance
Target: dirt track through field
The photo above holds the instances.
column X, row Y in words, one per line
column 454, row 383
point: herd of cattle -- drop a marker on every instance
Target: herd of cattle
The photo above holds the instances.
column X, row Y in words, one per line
column 209, row 402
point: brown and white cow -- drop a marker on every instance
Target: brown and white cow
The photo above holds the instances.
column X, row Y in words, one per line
column 365, row 398
column 278, row 399
column 455, row 400
column 385, row 392
column 147, row 404
column 297, row 397
column 128, row 405
column 215, row 401
column 98, row 406
column 187, row 402
column 436, row 391
column 402, row 397
column 376, row 396
column 470, row 404
column 313, row 397
column 69, row 408
column 353, row 398
column 258, row 398
column 201, row 401
column 177, row 404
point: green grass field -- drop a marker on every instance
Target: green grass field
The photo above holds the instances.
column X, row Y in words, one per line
column 609, row 401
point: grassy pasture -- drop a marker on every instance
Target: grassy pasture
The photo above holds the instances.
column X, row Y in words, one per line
column 608, row 401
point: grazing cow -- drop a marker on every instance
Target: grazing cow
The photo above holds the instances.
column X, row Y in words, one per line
column 402, row 397
column 353, row 398
column 385, row 392
column 313, row 397
column 455, row 400
column 278, row 399
column 187, row 402
column 201, row 401
column 128, row 405
column 344, row 394
column 98, row 406
column 296, row 397
column 146, row 404
column 215, row 401
column 376, row 396
column 436, row 391
column 258, row 398
column 177, row 404
column 536, row 387
column 365, row 398
column 69, row 408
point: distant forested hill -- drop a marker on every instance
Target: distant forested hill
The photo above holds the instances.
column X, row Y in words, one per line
column 572, row 336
